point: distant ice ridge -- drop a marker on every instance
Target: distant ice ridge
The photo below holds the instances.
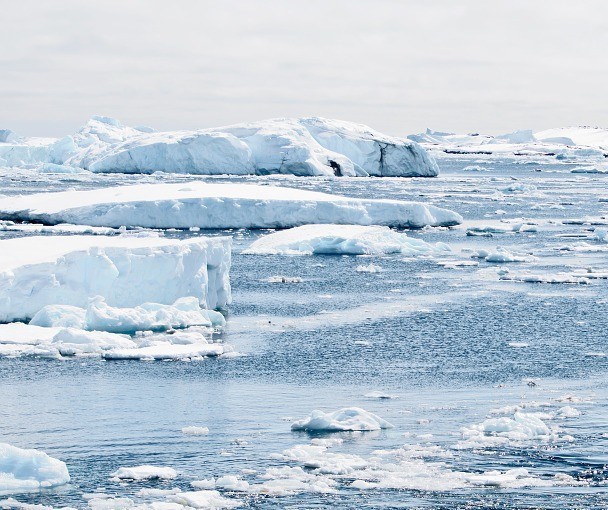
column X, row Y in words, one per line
column 347, row 419
column 27, row 470
column 299, row 146
column 199, row 204
column 562, row 143
column 125, row 271
column 341, row 240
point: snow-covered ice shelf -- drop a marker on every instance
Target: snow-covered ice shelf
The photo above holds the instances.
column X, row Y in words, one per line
column 126, row 271
column 199, row 204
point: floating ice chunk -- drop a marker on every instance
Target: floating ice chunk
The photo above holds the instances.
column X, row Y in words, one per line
column 370, row 268
column 110, row 503
column 166, row 351
column 40, row 271
column 193, row 430
column 38, row 228
column 348, row 418
column 284, row 279
column 71, row 342
column 341, row 240
column 199, row 204
column 24, row 470
column 567, row 412
column 500, row 256
column 210, row 499
column 500, row 431
column 232, row 483
column 144, row 472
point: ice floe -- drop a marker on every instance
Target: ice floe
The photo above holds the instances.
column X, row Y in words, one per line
column 23, row 470
column 214, row 206
column 144, row 472
column 193, row 430
column 342, row 240
column 304, row 146
column 346, row 419
column 40, row 271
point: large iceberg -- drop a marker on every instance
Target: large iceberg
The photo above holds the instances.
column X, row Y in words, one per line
column 126, row 271
column 27, row 470
column 300, row 146
column 341, row 240
column 212, row 206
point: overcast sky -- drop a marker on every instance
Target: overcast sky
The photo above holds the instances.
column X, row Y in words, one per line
column 397, row 65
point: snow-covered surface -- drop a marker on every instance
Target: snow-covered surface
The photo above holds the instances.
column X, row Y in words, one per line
column 342, row 240
column 347, row 419
column 305, row 146
column 125, row 271
column 23, row 470
column 199, row 204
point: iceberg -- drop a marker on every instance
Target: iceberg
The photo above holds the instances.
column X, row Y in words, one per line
column 126, row 271
column 347, row 419
column 216, row 206
column 298, row 146
column 342, row 240
column 27, row 470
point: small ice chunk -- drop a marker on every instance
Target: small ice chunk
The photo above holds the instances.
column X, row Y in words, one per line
column 144, row 472
column 346, row 419
column 193, row 430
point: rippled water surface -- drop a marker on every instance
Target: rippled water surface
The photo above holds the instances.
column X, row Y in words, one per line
column 452, row 343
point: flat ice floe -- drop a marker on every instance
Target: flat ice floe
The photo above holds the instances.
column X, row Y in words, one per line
column 125, row 271
column 347, row 419
column 24, row 470
column 305, row 146
column 144, row 472
column 18, row 339
column 216, row 206
column 342, row 240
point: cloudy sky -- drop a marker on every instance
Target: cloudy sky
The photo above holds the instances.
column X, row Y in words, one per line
column 397, row 65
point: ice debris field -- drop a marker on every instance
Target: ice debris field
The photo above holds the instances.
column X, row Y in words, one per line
column 224, row 318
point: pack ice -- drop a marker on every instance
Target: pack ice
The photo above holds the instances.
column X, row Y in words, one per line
column 212, row 206
column 300, row 146
column 341, row 240
column 126, row 271
column 24, row 470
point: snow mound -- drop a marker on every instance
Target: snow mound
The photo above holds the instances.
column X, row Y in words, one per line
column 216, row 206
column 346, row 419
column 144, row 472
column 26, row 470
column 126, row 271
column 341, row 239
column 299, row 146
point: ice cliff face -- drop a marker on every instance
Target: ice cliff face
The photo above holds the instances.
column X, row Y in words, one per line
column 305, row 146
